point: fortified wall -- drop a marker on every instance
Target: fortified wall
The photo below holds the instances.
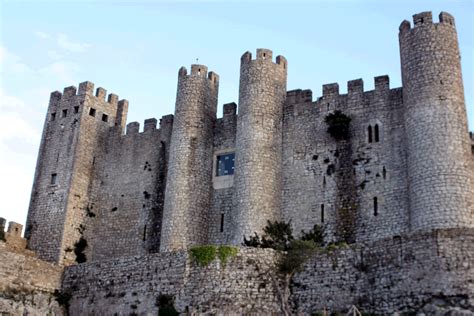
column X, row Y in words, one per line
column 119, row 207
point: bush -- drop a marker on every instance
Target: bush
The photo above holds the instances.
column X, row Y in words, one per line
column 299, row 251
column 338, row 125
column 203, row 255
column 226, row 252
column 316, row 234
column 278, row 236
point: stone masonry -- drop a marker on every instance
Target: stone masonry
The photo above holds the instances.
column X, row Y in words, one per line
column 197, row 179
column 117, row 207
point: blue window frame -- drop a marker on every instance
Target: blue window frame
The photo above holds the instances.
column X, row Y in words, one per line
column 225, row 164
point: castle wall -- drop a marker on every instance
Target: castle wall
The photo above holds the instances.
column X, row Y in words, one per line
column 133, row 284
column 382, row 277
column 126, row 197
column 419, row 272
column 220, row 213
column 27, row 284
column 319, row 173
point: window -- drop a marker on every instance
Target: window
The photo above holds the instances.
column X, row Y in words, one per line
column 376, row 207
column 222, row 222
column 369, row 130
column 322, row 213
column 376, row 133
column 105, row 117
column 54, row 178
column 53, row 116
column 225, row 164
column 64, row 113
column 92, row 112
column 76, row 109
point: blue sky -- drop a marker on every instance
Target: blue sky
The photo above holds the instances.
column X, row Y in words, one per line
column 135, row 48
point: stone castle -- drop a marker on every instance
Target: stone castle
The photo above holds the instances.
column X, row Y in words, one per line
column 401, row 181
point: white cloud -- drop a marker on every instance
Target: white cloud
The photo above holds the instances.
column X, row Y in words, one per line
column 53, row 54
column 11, row 62
column 63, row 70
column 64, row 42
column 42, row 35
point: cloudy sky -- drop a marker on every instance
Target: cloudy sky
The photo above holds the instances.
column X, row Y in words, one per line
column 135, row 48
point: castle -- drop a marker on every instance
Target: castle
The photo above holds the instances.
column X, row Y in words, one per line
column 406, row 166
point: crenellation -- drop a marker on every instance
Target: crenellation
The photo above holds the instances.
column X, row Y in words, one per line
column 422, row 18
column 330, row 90
column 86, row 87
column 445, row 17
column 69, row 92
column 133, row 128
column 101, row 93
column 150, row 125
column 112, row 99
column 382, row 83
column 355, row 86
column 229, row 109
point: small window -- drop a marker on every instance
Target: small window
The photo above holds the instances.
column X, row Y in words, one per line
column 64, row 113
column 53, row 116
column 92, row 112
column 322, row 213
column 76, row 109
column 222, row 222
column 54, row 178
column 376, row 133
column 225, row 164
column 384, row 173
column 376, row 207
column 144, row 233
column 105, row 117
column 369, row 131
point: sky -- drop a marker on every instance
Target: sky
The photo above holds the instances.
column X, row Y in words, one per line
column 135, row 48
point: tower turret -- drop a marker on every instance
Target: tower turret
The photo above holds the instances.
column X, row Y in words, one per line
column 75, row 122
column 188, row 191
column 441, row 192
column 257, row 178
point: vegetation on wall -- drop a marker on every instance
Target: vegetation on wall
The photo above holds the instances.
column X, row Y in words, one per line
column 79, row 248
column 338, row 125
column 293, row 252
column 204, row 255
column 166, row 304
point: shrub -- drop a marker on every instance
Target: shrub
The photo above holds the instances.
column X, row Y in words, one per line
column 338, row 125
column 278, row 236
column 203, row 255
column 316, row 234
column 226, row 252
column 299, row 251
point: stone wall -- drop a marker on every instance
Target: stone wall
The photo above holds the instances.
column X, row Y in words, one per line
column 27, row 284
column 321, row 175
column 133, row 285
column 421, row 272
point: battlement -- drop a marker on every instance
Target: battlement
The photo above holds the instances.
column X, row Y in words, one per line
column 423, row 19
column 13, row 234
column 85, row 88
column 264, row 55
column 199, row 71
column 149, row 125
column 299, row 96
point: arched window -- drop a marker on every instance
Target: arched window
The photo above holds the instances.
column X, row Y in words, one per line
column 369, row 130
column 376, row 133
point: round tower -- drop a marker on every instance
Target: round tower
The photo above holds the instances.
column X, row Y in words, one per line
column 188, row 188
column 257, row 178
column 440, row 187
